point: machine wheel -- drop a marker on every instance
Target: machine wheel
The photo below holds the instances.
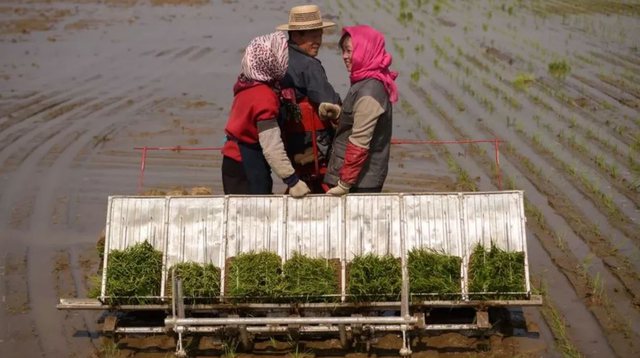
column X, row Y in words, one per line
column 346, row 341
column 246, row 341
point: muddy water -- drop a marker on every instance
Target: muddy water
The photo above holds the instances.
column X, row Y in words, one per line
column 77, row 100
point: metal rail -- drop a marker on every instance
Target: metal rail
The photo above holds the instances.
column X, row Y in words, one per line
column 95, row 304
column 226, row 321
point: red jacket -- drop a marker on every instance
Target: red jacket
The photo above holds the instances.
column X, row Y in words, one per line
column 252, row 102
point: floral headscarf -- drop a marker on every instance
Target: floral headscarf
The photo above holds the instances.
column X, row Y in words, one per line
column 370, row 59
column 266, row 58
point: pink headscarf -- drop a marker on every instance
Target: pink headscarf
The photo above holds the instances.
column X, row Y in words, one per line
column 369, row 58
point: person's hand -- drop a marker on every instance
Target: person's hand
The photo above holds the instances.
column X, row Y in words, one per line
column 299, row 190
column 305, row 157
column 339, row 190
column 329, row 111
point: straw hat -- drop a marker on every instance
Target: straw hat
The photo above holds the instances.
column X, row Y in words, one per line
column 305, row 17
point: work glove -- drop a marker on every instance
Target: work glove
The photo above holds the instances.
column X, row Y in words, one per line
column 339, row 190
column 299, row 190
column 329, row 111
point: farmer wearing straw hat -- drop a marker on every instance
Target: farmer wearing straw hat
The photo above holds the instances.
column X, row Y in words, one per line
column 311, row 105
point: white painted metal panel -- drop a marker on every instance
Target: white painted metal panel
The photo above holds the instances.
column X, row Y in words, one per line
column 133, row 220
column 313, row 227
column 494, row 218
column 433, row 221
column 372, row 225
column 212, row 229
column 195, row 230
column 255, row 223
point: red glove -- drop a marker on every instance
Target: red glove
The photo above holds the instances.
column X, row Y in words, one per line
column 354, row 158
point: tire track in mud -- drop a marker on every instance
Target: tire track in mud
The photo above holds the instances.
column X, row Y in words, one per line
column 624, row 202
column 46, row 319
column 66, row 152
column 630, row 280
column 560, row 294
column 17, row 328
column 567, row 263
column 86, row 87
column 30, row 132
column 607, row 145
column 403, row 94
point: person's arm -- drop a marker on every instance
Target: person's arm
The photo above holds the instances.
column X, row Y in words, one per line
column 270, row 140
column 366, row 113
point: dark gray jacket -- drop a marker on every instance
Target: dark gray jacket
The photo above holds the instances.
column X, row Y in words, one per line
column 308, row 77
column 374, row 116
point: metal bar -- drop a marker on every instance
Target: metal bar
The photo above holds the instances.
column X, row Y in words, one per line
column 165, row 247
column 142, row 167
column 536, row 300
column 523, row 220
column 451, row 327
column 84, row 304
column 465, row 248
column 134, row 330
column 404, row 291
column 105, row 256
column 302, row 329
column 496, row 144
column 223, row 248
column 342, row 212
column 285, row 329
column 463, row 141
column 288, row 320
column 177, row 148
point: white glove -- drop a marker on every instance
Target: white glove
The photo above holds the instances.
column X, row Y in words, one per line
column 299, row 190
column 339, row 190
column 329, row 111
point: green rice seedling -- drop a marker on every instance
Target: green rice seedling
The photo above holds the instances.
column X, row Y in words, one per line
column 415, row 75
column 559, row 69
column 433, row 275
column 134, row 274
column 495, row 270
column 523, row 80
column 374, row 278
column 198, row 281
column 255, row 276
column 94, row 282
column 310, row 279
